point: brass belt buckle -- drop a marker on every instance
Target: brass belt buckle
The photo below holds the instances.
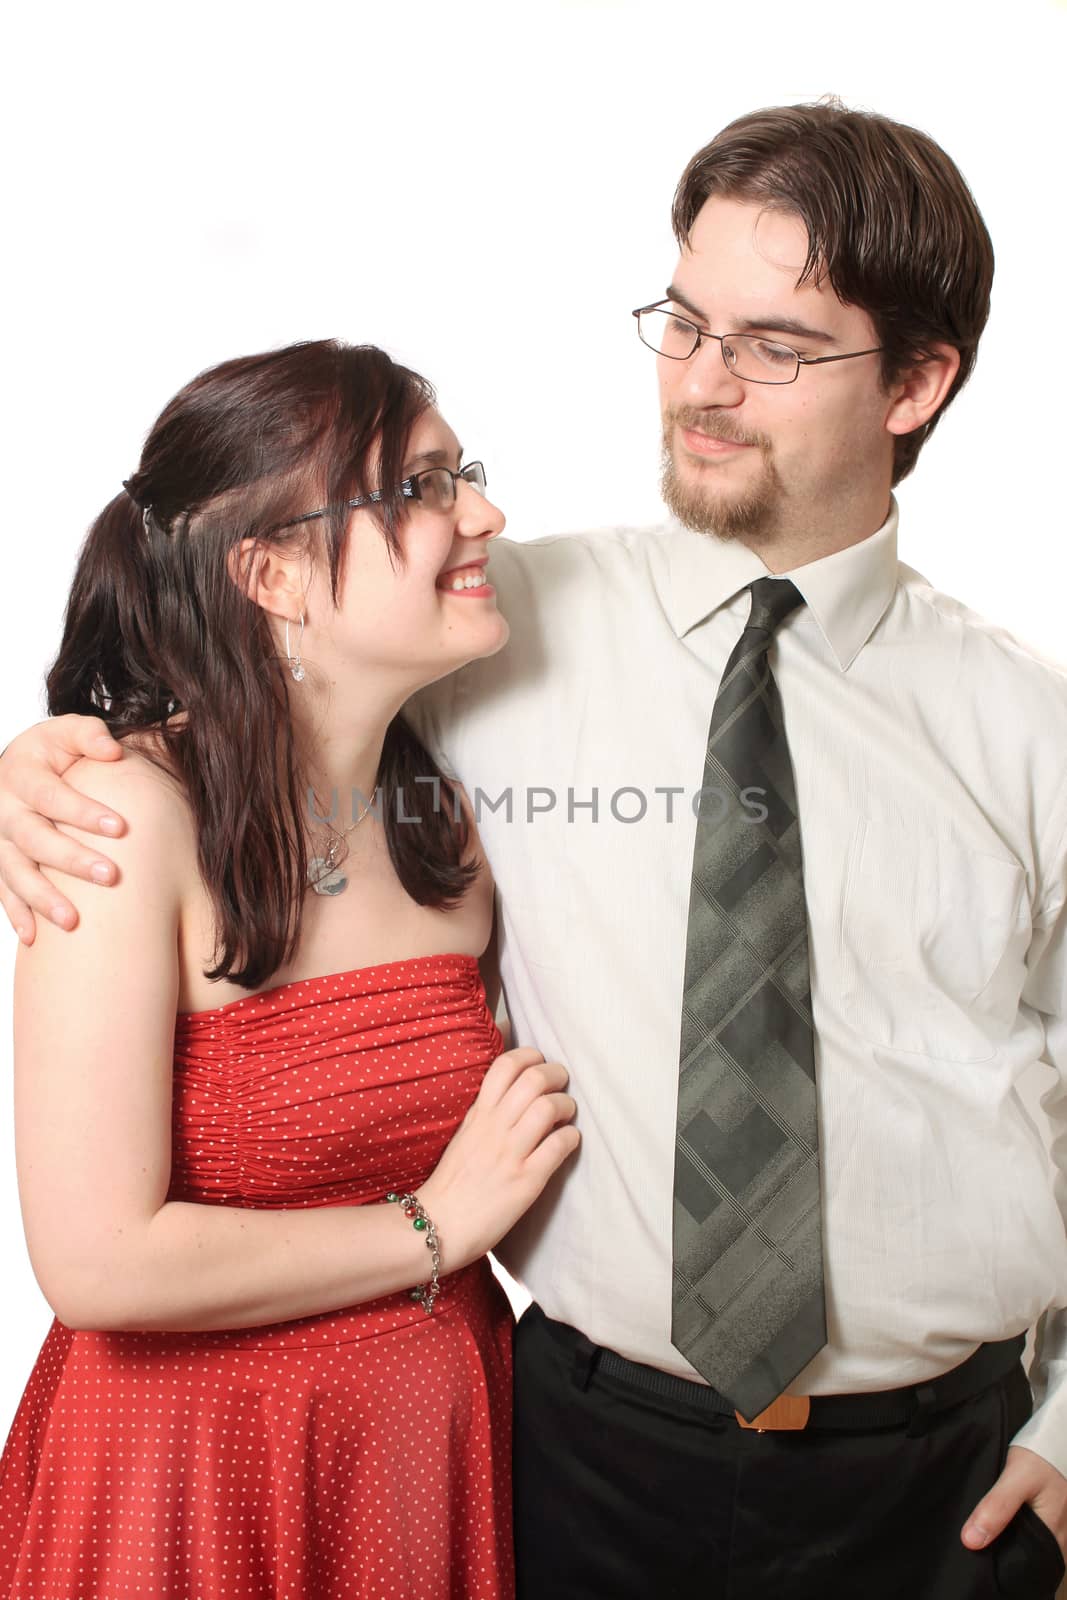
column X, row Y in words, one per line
column 788, row 1414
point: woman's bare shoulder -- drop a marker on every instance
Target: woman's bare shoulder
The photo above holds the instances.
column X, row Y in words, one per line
column 149, row 798
column 136, row 775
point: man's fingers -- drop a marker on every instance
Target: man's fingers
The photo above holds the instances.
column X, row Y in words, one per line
column 72, row 736
column 35, row 842
column 993, row 1513
column 19, row 915
column 31, row 889
column 53, row 799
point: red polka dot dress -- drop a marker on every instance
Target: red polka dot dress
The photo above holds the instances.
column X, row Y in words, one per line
column 362, row 1455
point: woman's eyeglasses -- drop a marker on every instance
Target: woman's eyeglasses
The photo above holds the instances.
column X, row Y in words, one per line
column 434, row 489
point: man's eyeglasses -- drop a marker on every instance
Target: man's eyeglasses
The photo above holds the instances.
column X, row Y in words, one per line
column 434, row 489
column 747, row 355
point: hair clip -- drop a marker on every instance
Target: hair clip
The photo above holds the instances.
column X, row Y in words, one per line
column 146, row 511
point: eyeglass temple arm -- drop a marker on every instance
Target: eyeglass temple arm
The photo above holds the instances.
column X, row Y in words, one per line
column 818, row 361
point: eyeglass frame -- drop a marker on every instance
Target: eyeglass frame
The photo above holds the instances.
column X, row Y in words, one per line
column 705, row 333
column 409, row 488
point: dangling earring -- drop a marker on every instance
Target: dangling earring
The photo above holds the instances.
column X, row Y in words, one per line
column 296, row 666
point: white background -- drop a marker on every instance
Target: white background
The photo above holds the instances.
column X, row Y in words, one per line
column 485, row 190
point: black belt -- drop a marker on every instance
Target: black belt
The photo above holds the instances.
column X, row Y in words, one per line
column 885, row 1408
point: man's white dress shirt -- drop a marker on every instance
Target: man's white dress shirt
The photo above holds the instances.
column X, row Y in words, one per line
column 930, row 754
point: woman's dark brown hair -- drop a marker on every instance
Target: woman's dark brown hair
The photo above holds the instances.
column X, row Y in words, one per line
column 891, row 225
column 156, row 628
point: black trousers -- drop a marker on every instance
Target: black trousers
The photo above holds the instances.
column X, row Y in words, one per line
column 620, row 1495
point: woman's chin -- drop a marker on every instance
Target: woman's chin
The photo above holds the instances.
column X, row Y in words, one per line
column 491, row 636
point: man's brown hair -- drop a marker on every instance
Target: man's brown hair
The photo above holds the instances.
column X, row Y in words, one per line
column 892, row 226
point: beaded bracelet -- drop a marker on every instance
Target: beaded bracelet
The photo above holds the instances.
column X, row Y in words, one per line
column 424, row 1293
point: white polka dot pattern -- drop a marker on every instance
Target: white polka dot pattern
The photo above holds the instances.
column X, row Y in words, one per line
column 362, row 1455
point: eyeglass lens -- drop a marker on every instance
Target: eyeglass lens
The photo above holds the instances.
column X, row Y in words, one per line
column 437, row 487
column 761, row 360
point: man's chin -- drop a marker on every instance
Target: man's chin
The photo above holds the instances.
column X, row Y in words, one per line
column 724, row 516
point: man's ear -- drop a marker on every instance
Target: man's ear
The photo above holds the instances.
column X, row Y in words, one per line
column 920, row 390
column 270, row 578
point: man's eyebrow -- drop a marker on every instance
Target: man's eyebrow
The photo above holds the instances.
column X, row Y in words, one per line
column 769, row 324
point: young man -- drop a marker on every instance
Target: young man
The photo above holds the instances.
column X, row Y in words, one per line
column 780, row 1294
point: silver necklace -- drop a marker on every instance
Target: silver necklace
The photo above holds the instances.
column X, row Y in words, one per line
column 324, row 876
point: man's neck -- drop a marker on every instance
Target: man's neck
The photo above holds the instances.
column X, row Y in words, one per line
column 783, row 549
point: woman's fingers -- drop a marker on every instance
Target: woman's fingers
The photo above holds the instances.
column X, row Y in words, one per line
column 539, row 1079
column 503, row 1073
column 552, row 1152
column 539, row 1118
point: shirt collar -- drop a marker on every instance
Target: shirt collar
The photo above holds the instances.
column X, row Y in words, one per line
column 847, row 592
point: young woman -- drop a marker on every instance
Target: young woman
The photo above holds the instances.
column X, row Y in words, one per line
column 265, row 1130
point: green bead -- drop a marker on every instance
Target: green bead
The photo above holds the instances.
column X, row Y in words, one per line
column 392, row 1198
column 418, row 1293
column 419, row 1223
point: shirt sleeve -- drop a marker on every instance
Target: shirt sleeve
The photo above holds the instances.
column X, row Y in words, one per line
column 1045, row 995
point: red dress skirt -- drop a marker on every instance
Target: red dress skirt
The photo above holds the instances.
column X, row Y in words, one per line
column 361, row 1455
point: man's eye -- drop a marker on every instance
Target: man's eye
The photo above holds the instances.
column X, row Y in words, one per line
column 769, row 352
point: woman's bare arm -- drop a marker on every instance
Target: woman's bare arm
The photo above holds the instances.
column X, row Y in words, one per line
column 94, row 1035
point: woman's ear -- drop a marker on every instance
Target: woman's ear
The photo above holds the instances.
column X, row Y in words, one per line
column 269, row 577
column 921, row 389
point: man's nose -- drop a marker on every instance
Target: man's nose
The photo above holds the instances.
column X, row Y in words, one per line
column 707, row 380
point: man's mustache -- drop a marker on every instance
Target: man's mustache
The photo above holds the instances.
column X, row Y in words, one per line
column 714, row 426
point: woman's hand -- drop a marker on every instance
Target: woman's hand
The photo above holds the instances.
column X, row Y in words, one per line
column 33, row 796
column 516, row 1134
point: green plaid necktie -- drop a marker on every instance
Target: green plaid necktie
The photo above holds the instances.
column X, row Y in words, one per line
column 748, row 1305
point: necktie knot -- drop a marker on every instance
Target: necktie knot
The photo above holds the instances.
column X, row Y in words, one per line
column 773, row 599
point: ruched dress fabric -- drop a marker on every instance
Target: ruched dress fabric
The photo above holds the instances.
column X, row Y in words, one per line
column 360, row 1455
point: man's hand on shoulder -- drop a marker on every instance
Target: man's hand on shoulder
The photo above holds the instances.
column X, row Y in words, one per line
column 34, row 796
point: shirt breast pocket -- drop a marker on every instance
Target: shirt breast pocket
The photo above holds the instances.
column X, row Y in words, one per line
column 933, row 942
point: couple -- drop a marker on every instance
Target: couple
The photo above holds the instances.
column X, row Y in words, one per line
column 781, row 1287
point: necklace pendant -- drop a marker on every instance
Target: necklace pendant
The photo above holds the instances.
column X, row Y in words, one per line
column 324, row 877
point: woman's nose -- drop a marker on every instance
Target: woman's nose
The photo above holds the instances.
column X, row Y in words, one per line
column 476, row 516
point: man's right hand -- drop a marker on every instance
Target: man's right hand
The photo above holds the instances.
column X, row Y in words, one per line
column 33, row 797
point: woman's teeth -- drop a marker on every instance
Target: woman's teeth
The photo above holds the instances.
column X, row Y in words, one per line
column 468, row 580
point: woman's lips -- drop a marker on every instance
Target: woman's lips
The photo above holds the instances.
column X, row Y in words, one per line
column 480, row 593
column 457, row 581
